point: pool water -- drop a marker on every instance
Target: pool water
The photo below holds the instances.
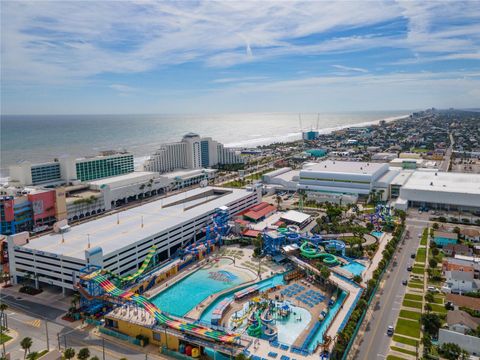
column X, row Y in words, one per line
column 318, row 338
column 263, row 285
column 184, row 295
column 289, row 329
column 354, row 268
column 378, row 234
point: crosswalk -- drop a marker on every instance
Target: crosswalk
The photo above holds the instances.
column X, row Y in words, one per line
column 35, row 323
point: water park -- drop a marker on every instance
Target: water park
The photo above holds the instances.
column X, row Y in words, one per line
column 215, row 300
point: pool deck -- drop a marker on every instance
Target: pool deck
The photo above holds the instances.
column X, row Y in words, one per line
column 373, row 265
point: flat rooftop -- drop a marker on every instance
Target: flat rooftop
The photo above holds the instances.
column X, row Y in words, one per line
column 347, row 167
column 120, row 178
column 444, row 182
column 158, row 216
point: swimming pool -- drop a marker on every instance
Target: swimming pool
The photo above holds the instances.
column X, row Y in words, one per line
column 377, row 234
column 354, row 268
column 263, row 285
column 290, row 328
column 184, row 295
column 318, row 337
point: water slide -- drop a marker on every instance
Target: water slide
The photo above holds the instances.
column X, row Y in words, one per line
column 311, row 253
column 256, row 329
column 140, row 271
column 161, row 317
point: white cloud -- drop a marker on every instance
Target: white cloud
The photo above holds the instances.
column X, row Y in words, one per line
column 52, row 41
column 123, row 88
column 348, row 68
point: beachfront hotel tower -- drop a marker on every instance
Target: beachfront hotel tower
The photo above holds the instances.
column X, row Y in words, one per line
column 192, row 152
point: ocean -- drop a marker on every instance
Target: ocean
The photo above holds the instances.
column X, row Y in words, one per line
column 39, row 138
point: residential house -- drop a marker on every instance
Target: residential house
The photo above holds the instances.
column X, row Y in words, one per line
column 458, row 282
column 461, row 321
column 454, row 249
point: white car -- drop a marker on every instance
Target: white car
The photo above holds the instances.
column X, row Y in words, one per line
column 432, row 289
column 390, row 330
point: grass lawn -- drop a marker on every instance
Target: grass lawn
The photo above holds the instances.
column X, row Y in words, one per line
column 412, row 304
column 438, row 301
column 438, row 308
column 415, row 285
column 423, row 241
column 393, row 357
column 418, row 270
column 4, row 338
column 413, row 297
column 421, row 255
column 413, row 315
column 399, row 349
column 408, row 327
column 404, row 340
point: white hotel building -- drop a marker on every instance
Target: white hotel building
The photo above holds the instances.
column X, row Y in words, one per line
column 119, row 242
column 193, row 152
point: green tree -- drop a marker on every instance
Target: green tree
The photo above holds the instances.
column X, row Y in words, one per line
column 241, row 356
column 83, row 354
column 26, row 344
column 435, row 226
column 450, row 351
column 432, row 263
column 357, row 279
column 33, row 355
column 429, row 297
column 431, row 323
column 69, row 353
column 94, row 358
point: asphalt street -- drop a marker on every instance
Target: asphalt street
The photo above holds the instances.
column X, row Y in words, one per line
column 386, row 305
column 33, row 320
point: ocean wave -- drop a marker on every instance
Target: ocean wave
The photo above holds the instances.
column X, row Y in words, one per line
column 298, row 135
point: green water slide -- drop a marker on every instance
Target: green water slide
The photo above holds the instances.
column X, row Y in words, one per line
column 140, row 271
column 256, row 330
column 311, row 253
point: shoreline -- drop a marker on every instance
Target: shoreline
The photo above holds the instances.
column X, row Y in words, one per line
column 298, row 136
column 261, row 141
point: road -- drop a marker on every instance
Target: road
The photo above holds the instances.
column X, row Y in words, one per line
column 386, row 306
column 445, row 164
column 29, row 319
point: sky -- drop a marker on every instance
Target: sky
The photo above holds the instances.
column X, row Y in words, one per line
column 109, row 57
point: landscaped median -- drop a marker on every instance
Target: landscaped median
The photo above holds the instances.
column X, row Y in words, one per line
column 407, row 336
column 408, row 327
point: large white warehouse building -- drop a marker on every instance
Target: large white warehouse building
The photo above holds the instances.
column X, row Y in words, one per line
column 347, row 180
column 119, row 242
column 441, row 190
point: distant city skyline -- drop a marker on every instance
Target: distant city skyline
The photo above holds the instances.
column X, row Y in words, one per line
column 122, row 57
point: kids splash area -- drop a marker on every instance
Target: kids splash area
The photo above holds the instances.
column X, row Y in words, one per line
column 213, row 300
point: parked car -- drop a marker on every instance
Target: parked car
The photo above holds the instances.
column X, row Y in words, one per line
column 432, row 289
column 412, row 255
column 409, row 268
column 404, row 282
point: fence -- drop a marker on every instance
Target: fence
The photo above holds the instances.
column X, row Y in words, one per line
column 120, row 336
column 362, row 317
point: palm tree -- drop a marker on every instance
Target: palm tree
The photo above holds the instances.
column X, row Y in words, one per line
column 26, row 344
column 3, row 307
column 69, row 353
column 75, row 300
column 278, row 200
column 83, row 354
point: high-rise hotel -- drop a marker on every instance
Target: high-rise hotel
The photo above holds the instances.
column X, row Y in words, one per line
column 192, row 152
